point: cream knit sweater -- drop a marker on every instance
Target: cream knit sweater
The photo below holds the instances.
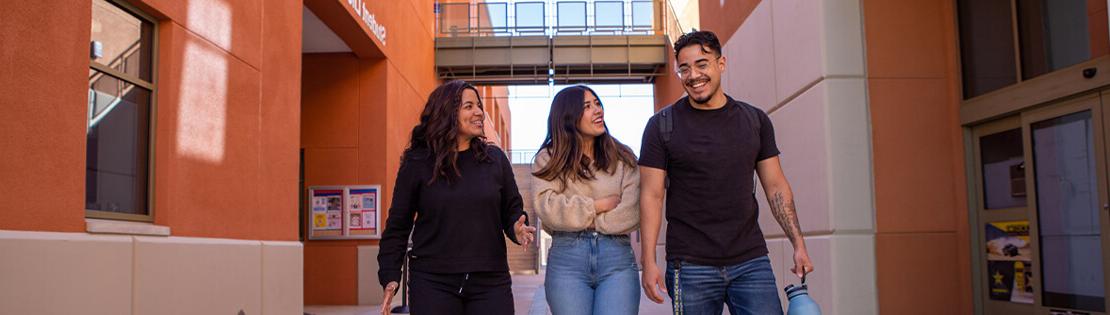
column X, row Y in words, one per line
column 572, row 209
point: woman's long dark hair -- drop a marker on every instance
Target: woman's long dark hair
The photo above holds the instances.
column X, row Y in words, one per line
column 568, row 162
column 435, row 136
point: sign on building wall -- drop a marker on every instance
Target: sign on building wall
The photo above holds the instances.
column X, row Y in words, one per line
column 371, row 21
column 1009, row 261
column 344, row 212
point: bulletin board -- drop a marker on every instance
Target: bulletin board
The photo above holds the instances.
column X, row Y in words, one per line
column 344, row 212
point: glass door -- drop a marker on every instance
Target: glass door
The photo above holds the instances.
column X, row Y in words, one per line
column 1002, row 230
column 1069, row 190
column 1041, row 212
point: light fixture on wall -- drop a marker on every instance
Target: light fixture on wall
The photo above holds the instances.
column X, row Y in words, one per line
column 96, row 50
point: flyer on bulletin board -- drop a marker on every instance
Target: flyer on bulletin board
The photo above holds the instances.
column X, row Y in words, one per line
column 327, row 209
column 1009, row 261
column 363, row 212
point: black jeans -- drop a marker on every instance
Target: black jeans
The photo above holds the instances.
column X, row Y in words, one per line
column 461, row 293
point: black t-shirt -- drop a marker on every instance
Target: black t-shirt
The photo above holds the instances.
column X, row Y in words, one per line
column 710, row 160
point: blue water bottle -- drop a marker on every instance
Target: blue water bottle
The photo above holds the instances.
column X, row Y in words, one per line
column 800, row 302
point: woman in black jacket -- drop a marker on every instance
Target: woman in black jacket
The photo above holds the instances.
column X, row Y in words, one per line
column 462, row 195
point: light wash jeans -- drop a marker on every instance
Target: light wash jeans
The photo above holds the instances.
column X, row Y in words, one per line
column 592, row 273
column 747, row 288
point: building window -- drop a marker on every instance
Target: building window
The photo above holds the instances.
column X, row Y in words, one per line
column 986, row 46
column 1055, row 34
column 1004, row 42
column 1003, row 166
column 121, row 89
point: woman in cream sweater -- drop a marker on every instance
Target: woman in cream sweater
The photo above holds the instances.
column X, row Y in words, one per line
column 587, row 197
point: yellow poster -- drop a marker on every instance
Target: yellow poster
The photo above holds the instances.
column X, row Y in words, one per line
column 1008, row 241
column 320, row 220
column 1009, row 261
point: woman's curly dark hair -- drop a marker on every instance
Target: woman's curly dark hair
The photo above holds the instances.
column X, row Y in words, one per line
column 435, row 136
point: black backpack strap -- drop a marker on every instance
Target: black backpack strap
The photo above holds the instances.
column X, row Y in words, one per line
column 666, row 129
column 666, row 120
column 666, row 124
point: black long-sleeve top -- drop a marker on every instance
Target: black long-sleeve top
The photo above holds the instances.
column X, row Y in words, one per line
column 458, row 222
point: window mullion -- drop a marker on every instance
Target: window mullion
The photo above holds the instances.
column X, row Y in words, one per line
column 121, row 75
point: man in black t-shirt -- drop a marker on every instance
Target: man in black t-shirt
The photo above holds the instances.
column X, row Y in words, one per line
column 709, row 146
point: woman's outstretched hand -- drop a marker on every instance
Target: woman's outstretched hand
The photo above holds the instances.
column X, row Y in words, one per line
column 524, row 234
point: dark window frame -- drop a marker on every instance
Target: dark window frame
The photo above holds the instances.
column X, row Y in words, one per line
column 1021, row 77
column 150, row 85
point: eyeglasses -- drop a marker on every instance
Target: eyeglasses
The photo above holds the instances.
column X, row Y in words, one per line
column 700, row 66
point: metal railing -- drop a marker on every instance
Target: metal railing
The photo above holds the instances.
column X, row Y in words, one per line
column 123, row 62
column 522, row 156
column 554, row 17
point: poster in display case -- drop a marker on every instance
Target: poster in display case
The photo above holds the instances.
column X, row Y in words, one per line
column 344, row 212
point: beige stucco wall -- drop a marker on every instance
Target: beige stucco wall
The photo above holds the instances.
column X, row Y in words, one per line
column 802, row 61
column 81, row 273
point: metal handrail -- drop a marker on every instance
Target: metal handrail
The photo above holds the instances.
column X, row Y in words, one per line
column 119, row 60
column 478, row 19
column 522, row 156
column 122, row 87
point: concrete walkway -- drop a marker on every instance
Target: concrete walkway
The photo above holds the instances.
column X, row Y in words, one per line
column 528, row 299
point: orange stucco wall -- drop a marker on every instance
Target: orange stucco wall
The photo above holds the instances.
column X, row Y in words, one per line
column 724, row 17
column 496, row 102
column 43, row 129
column 246, row 191
column 668, row 88
column 358, row 111
column 343, row 137
column 920, row 184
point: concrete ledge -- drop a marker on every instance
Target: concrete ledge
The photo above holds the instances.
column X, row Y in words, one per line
column 98, row 226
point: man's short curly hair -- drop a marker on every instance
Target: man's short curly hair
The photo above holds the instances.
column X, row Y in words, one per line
column 706, row 39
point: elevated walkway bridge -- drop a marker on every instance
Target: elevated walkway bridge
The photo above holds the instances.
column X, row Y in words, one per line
column 554, row 41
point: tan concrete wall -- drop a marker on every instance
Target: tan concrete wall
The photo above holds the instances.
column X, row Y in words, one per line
column 802, row 61
column 370, row 291
column 870, row 141
column 79, row 273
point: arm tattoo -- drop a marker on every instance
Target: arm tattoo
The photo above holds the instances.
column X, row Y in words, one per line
column 784, row 212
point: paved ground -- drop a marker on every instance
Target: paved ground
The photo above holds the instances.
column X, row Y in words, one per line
column 528, row 294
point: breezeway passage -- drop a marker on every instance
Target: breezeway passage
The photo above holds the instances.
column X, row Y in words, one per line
column 160, row 152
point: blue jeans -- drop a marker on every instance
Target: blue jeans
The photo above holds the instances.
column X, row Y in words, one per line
column 592, row 273
column 748, row 288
